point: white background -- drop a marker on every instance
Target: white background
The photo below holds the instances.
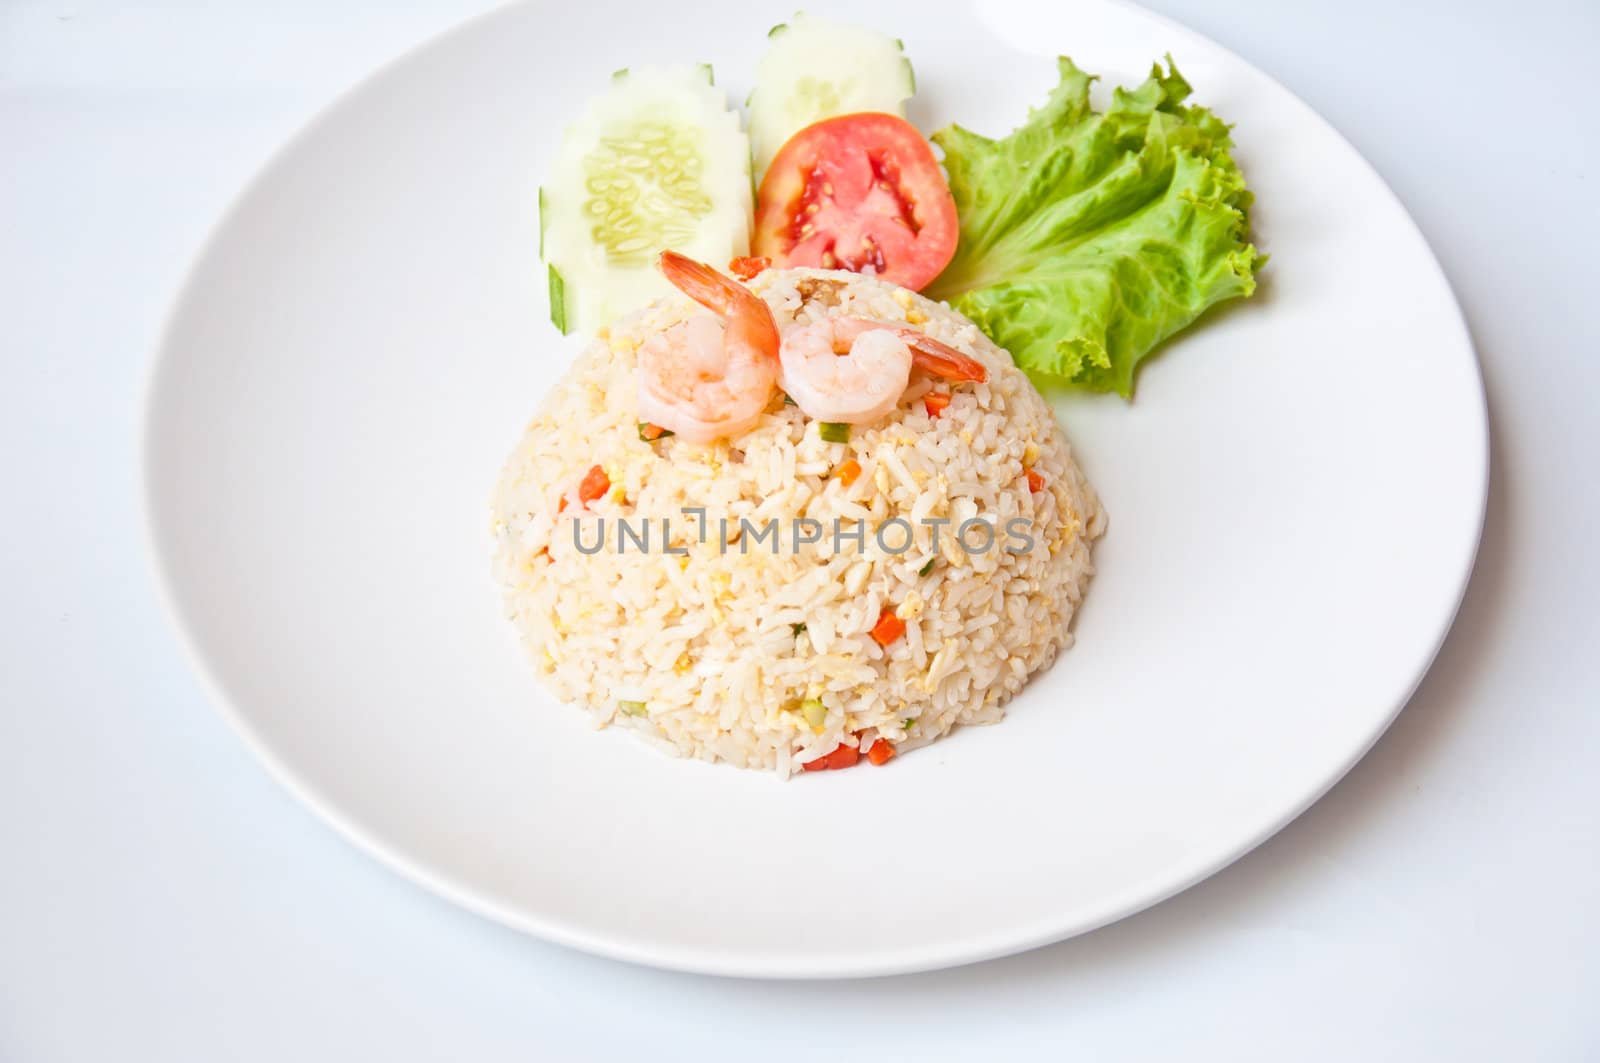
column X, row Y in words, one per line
column 162, row 899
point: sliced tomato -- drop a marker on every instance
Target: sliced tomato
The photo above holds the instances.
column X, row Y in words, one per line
column 860, row 192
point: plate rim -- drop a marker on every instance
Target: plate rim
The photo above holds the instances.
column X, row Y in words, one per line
column 940, row 954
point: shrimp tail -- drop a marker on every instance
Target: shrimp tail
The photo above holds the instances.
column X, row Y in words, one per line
column 701, row 283
column 941, row 359
column 744, row 312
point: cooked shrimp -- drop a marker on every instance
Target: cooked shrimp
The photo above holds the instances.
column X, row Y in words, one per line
column 835, row 371
column 851, row 370
column 941, row 359
column 712, row 375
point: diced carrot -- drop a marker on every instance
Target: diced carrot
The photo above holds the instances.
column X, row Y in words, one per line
column 561, row 507
column 595, row 484
column 881, row 751
column 935, row 402
column 651, row 432
column 1035, row 481
column 848, row 471
column 842, row 756
column 746, row 267
column 888, row 628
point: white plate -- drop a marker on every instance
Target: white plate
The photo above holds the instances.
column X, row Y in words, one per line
column 1295, row 499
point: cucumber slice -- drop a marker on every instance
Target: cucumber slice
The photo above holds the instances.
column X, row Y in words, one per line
column 815, row 69
column 558, row 301
column 657, row 161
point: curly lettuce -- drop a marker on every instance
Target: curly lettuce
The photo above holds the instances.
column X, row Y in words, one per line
column 1087, row 238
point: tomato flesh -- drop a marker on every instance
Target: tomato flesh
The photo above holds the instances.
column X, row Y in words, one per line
column 851, row 208
column 860, row 192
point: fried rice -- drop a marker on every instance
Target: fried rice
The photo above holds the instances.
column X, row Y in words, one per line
column 712, row 638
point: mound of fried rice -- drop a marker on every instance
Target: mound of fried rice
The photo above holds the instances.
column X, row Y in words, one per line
column 701, row 650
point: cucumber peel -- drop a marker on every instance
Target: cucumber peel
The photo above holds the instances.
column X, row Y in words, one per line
column 558, row 301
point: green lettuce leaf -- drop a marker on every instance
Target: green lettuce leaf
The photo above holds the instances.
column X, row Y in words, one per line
column 1088, row 238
